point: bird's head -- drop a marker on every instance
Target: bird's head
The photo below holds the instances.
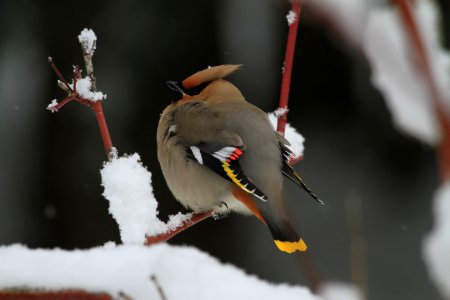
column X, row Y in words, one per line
column 201, row 82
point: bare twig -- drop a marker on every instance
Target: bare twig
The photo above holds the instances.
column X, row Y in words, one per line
column 61, row 78
column 124, row 296
column 158, row 287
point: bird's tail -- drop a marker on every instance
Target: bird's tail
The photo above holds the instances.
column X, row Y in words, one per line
column 284, row 235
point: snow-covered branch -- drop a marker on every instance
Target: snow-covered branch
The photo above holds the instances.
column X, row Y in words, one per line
column 83, row 89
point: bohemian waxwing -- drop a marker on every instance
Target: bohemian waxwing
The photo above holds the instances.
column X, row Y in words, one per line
column 220, row 153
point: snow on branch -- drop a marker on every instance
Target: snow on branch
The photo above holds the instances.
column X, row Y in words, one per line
column 291, row 17
column 84, row 90
column 88, row 41
column 405, row 87
column 291, row 134
column 129, row 191
column 393, row 74
column 128, row 269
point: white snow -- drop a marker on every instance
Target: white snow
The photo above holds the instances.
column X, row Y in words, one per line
column 436, row 246
column 430, row 23
column 291, row 17
column 406, row 92
column 84, row 90
column 281, row 111
column 182, row 273
column 88, row 38
column 128, row 188
column 339, row 291
column 291, row 134
column 176, row 220
column 52, row 105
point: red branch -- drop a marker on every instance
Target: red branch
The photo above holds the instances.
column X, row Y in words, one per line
column 96, row 106
column 196, row 218
column 103, row 126
column 424, row 66
column 287, row 68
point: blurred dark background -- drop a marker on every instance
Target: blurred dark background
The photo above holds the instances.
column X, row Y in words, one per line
column 377, row 183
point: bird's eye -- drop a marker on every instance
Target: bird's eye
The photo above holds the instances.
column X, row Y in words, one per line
column 177, row 87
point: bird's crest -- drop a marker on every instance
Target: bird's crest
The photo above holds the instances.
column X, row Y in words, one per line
column 209, row 74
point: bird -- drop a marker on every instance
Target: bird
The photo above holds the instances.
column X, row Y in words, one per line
column 220, row 153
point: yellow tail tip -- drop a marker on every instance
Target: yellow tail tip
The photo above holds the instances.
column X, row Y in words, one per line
column 291, row 247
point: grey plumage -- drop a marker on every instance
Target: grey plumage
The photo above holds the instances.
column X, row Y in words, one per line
column 193, row 128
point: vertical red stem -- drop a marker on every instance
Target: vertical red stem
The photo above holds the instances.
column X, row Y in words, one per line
column 106, row 138
column 288, row 62
column 424, row 66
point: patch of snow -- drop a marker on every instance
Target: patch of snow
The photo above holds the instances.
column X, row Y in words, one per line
column 395, row 75
column 88, row 39
column 177, row 220
column 291, row 17
column 291, row 134
column 436, row 246
column 182, row 273
column 429, row 23
column 128, row 188
column 84, row 86
column 52, row 105
column 281, row 111
column 339, row 291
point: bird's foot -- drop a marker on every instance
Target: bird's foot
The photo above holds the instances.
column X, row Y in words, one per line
column 221, row 211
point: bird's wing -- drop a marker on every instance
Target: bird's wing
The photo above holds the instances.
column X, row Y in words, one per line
column 224, row 161
column 289, row 171
column 208, row 142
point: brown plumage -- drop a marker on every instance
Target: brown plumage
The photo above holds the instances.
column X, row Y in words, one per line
column 219, row 152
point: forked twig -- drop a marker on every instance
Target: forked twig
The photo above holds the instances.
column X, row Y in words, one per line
column 88, row 47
